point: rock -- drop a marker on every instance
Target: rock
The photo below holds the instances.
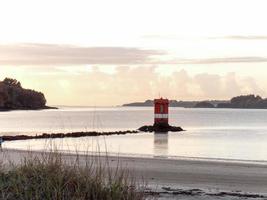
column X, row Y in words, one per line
column 63, row 135
column 160, row 128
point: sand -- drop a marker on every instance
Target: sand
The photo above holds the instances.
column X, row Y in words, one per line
column 166, row 175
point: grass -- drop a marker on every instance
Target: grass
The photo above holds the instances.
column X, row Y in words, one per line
column 53, row 176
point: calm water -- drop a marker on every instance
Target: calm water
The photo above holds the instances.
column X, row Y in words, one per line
column 211, row 133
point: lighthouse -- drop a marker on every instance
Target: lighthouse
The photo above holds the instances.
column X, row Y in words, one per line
column 161, row 112
column 161, row 118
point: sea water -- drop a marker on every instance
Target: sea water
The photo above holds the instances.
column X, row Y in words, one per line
column 221, row 134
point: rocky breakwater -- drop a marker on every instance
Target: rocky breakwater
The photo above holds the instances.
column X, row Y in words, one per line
column 160, row 128
column 67, row 135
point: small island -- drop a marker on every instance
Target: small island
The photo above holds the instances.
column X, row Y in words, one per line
column 14, row 97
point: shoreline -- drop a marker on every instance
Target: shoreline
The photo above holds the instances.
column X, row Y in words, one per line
column 28, row 109
column 159, row 174
column 148, row 156
column 130, row 155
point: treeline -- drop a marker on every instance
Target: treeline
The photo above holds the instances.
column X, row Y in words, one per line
column 14, row 96
column 175, row 103
column 245, row 101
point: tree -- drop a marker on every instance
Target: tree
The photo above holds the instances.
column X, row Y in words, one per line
column 12, row 82
column 13, row 96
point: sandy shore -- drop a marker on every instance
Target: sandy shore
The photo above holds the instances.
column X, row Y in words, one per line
column 209, row 176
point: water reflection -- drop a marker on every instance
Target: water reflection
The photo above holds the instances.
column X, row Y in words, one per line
column 161, row 144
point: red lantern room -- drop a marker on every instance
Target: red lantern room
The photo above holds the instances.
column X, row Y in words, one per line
column 161, row 111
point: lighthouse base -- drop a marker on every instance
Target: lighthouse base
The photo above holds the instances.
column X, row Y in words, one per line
column 163, row 128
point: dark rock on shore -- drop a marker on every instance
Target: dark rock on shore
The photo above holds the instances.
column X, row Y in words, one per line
column 14, row 97
column 177, row 193
column 160, row 128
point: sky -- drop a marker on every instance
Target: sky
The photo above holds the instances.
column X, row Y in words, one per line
column 110, row 52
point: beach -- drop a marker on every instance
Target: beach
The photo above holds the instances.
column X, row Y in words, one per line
column 184, row 177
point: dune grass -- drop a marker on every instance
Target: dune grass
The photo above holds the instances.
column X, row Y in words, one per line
column 54, row 176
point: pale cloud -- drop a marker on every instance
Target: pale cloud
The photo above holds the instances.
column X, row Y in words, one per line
column 69, row 55
column 218, row 60
column 52, row 56
column 164, row 37
column 214, row 86
column 199, row 38
column 251, row 86
column 210, row 84
column 241, row 37
column 127, row 84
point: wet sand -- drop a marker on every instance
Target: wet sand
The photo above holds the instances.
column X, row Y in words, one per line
column 163, row 175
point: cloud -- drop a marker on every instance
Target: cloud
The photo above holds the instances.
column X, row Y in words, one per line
column 54, row 54
column 209, row 84
column 163, row 37
column 222, row 60
column 241, row 37
column 227, row 37
column 128, row 84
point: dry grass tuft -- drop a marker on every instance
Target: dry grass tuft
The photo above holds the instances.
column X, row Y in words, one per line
column 49, row 176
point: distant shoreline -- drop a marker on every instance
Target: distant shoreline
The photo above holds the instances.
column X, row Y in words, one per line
column 200, row 108
column 29, row 109
column 239, row 102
